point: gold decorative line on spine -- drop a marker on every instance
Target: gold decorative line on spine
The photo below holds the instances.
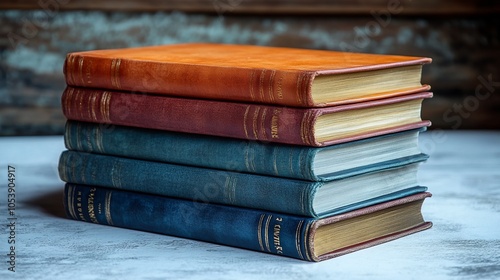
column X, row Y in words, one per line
column 67, row 139
column 305, row 127
column 233, row 190
column 107, row 207
column 69, row 100
column 299, row 87
column 247, row 158
column 70, row 201
column 297, row 239
column 261, row 84
column 303, row 199
column 254, row 123
column 115, row 73
column 98, row 138
column 116, row 175
column 290, row 162
column 93, row 107
column 275, row 160
column 259, row 231
column 271, row 85
column 227, row 189
column 305, row 241
column 80, row 69
column 88, row 102
column 245, row 121
column 304, row 164
column 105, row 102
column 252, row 84
column 71, row 69
column 266, row 233
column 262, row 124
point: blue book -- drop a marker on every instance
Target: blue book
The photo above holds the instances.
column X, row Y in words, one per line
column 299, row 197
column 275, row 233
column 281, row 160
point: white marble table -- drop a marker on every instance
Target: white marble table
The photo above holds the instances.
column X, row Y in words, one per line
column 463, row 174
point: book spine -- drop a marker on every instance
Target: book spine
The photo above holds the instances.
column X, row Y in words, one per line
column 290, row 88
column 194, row 150
column 194, row 183
column 227, row 119
column 245, row 228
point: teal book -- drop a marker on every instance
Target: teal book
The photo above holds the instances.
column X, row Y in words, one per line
column 205, row 185
column 281, row 160
column 310, row 239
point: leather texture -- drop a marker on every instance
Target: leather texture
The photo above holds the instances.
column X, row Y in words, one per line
column 268, row 75
column 249, row 121
column 233, row 226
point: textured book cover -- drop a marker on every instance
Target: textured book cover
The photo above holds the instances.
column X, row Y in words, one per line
column 298, row 197
column 286, row 235
column 257, row 74
column 300, row 126
column 290, row 161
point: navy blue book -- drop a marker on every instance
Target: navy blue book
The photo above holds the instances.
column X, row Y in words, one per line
column 281, row 160
column 205, row 185
column 281, row 234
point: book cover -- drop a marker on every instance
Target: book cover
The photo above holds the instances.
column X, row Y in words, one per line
column 257, row 74
column 286, row 235
column 278, row 194
column 281, row 160
column 300, row 126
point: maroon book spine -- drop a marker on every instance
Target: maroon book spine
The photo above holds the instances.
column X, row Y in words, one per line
column 227, row 119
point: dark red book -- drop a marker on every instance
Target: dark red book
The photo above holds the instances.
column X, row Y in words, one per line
column 300, row 126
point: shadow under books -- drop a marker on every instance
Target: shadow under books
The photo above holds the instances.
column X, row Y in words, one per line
column 50, row 203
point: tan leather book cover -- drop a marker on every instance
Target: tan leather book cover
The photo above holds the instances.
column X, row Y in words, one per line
column 269, row 75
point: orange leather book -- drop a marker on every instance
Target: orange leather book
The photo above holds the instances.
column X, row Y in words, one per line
column 268, row 75
column 289, row 125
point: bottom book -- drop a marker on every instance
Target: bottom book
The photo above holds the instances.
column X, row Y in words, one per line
column 311, row 239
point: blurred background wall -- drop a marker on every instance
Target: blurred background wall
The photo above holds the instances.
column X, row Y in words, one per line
column 462, row 37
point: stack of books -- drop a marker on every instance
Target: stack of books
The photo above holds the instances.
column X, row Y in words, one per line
column 302, row 153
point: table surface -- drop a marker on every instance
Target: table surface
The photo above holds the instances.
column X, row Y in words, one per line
column 463, row 174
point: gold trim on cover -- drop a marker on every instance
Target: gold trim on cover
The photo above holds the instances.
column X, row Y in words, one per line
column 261, row 85
column 71, row 62
column 245, row 121
column 266, row 233
column 262, row 126
column 254, row 123
column 71, row 201
column 305, row 130
column 271, row 85
column 107, row 206
column 105, row 106
column 80, row 69
column 275, row 160
column 297, row 239
column 259, row 231
column 115, row 73
column 98, row 139
column 252, row 83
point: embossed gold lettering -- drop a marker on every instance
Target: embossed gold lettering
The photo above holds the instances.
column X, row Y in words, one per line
column 276, row 236
column 91, row 206
column 274, row 124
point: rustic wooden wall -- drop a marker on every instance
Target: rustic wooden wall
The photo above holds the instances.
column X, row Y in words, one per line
column 463, row 40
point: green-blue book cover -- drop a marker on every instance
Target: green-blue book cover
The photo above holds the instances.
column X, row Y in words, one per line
column 299, row 197
column 256, row 157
